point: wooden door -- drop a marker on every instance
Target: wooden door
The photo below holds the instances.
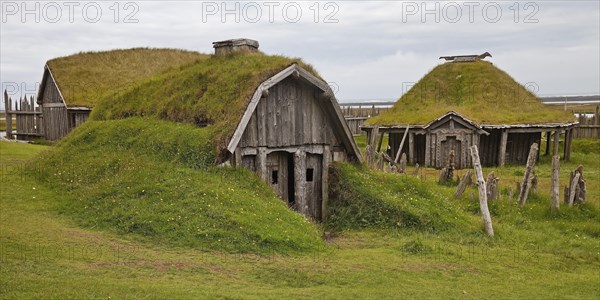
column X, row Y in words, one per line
column 280, row 168
column 451, row 144
column 313, row 185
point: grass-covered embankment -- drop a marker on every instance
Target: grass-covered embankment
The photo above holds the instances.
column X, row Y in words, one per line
column 155, row 180
column 48, row 255
column 363, row 198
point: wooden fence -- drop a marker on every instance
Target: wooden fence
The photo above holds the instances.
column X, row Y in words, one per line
column 365, row 109
column 589, row 126
column 357, row 113
column 354, row 124
column 27, row 116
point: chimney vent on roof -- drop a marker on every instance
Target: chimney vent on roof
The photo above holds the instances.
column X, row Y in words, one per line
column 235, row 45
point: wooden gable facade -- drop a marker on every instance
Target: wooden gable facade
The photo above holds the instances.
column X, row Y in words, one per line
column 430, row 145
column 58, row 118
column 291, row 132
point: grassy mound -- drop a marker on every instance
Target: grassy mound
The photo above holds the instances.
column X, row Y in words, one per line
column 370, row 199
column 213, row 91
column 153, row 180
column 85, row 78
column 472, row 89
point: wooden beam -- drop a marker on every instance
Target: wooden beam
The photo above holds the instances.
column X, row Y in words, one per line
column 261, row 164
column 427, row 149
column 401, row 144
column 374, row 135
column 325, row 186
column 380, row 141
column 556, row 141
column 411, row 148
column 502, row 151
column 300, row 183
column 548, row 141
column 568, row 142
column 565, row 143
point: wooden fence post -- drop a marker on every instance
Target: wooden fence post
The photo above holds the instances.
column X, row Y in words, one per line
column 555, row 188
column 485, row 213
column 528, row 174
column 462, row 186
column 572, row 190
column 7, row 111
column 492, row 186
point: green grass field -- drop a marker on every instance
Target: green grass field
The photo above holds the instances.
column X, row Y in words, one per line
column 47, row 251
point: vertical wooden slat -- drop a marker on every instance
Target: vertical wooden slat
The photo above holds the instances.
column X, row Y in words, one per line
column 325, row 180
column 411, row 148
column 502, row 150
column 427, row 149
column 299, row 174
column 556, row 141
column 569, row 142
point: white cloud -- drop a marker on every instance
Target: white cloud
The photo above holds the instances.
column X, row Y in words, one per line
column 372, row 49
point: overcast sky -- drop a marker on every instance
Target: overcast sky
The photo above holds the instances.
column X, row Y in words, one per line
column 366, row 49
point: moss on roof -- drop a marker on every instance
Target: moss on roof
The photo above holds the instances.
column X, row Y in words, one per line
column 84, row 78
column 213, row 91
column 477, row 90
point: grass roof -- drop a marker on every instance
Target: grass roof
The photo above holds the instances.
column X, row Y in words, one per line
column 213, row 91
column 477, row 90
column 84, row 78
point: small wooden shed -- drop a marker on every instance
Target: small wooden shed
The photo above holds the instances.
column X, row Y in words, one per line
column 465, row 102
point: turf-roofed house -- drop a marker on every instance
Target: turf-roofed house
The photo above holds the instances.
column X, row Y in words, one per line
column 72, row 85
column 469, row 101
column 271, row 114
column 291, row 130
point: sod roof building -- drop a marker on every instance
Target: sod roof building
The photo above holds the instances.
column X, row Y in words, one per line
column 72, row 85
column 468, row 102
column 271, row 114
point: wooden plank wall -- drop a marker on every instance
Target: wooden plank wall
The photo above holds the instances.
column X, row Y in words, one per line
column 518, row 145
column 290, row 115
column 56, row 121
column 488, row 148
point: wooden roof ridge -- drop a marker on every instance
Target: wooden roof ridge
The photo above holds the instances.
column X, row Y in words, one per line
column 452, row 112
column 298, row 72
